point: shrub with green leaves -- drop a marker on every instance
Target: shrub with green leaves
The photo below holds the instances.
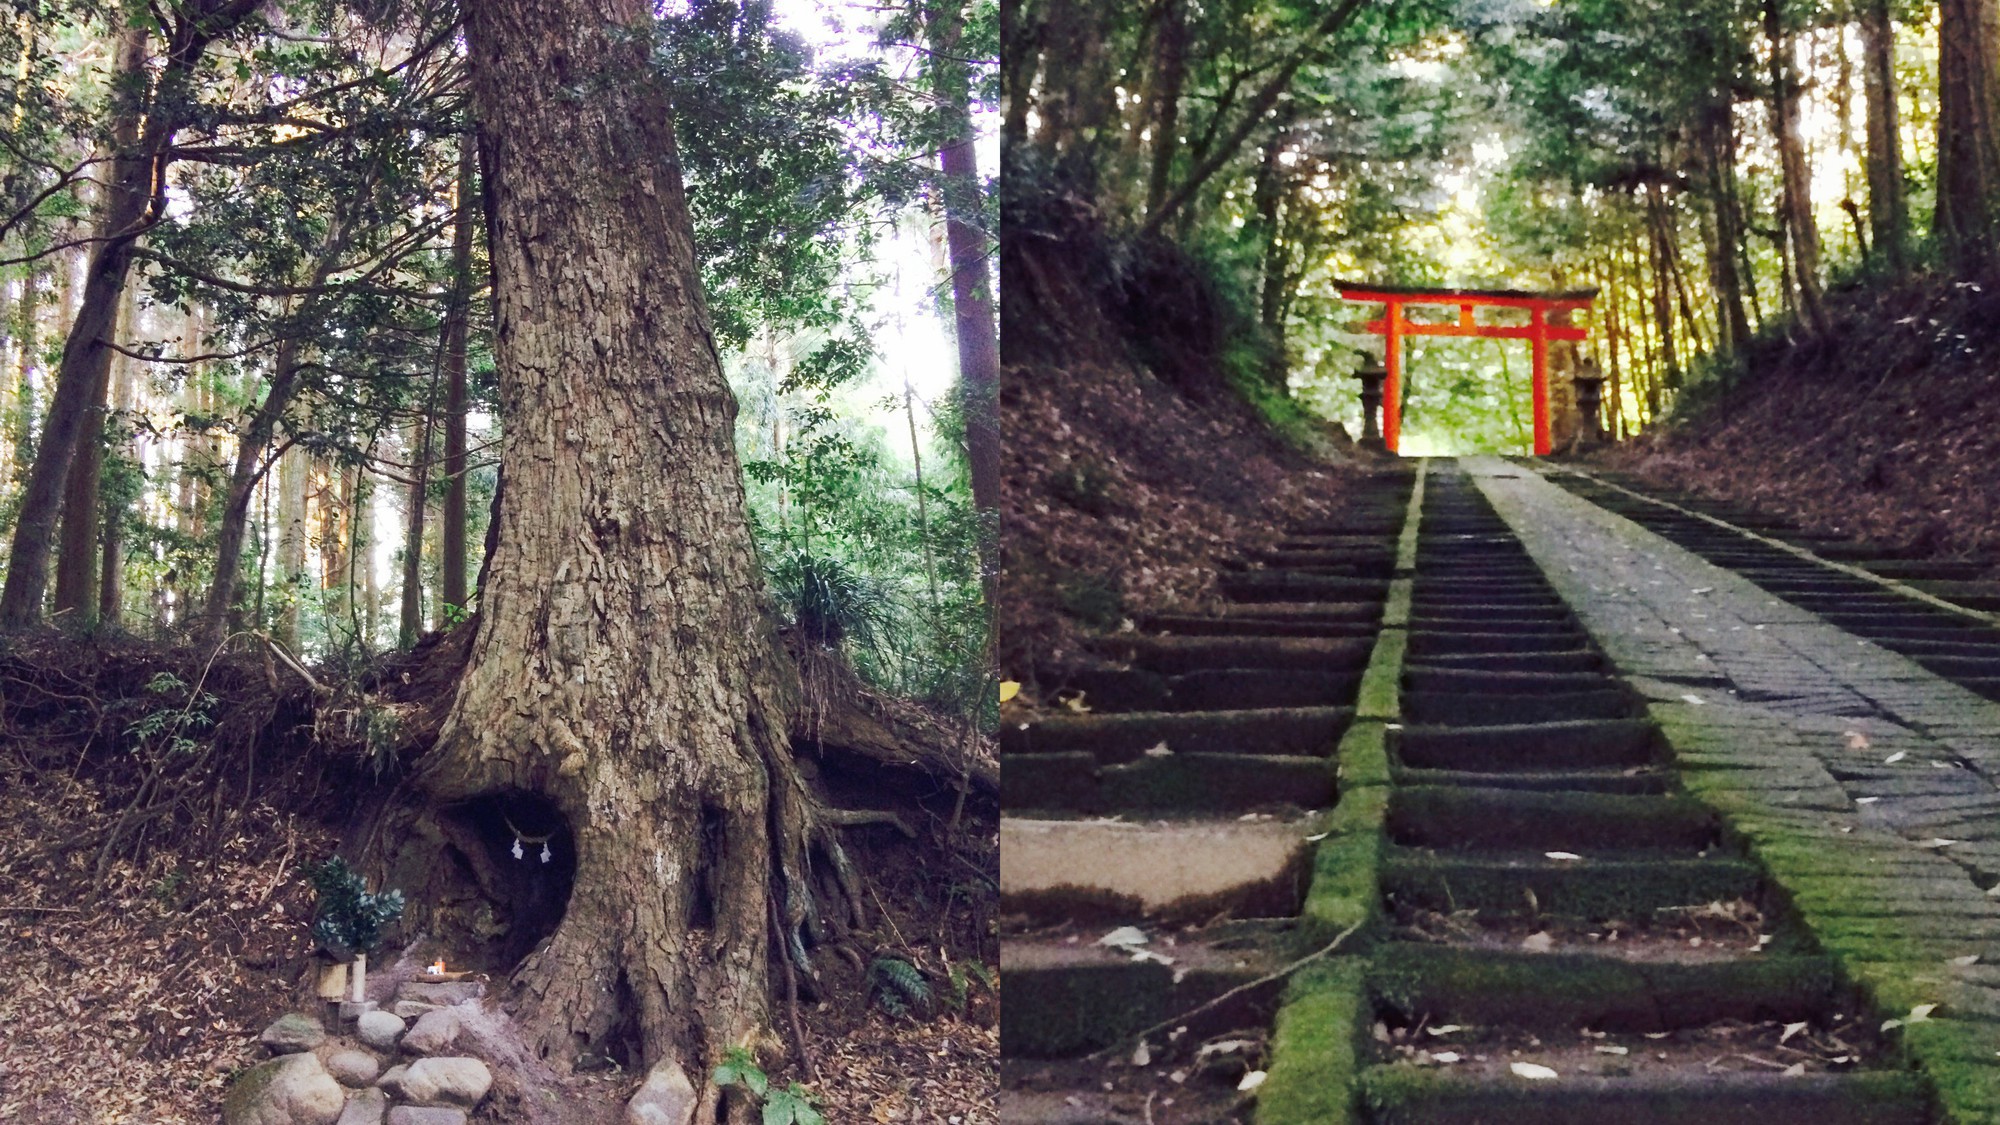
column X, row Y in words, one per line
column 792, row 1105
column 349, row 919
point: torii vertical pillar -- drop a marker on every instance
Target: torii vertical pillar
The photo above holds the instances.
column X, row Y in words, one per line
column 1392, row 387
column 1538, row 341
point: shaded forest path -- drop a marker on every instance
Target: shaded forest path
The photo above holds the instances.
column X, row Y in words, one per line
column 1621, row 834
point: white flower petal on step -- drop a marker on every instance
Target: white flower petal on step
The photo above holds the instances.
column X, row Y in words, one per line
column 1564, row 856
column 1791, row 1029
column 1124, row 936
column 1611, row 1049
column 1894, row 758
column 1251, row 1081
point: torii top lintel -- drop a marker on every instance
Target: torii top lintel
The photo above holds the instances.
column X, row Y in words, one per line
column 1538, row 332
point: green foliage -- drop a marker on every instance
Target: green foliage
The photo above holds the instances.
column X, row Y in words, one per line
column 792, row 1105
column 829, row 603
column 174, row 728
column 898, row 987
column 349, row 919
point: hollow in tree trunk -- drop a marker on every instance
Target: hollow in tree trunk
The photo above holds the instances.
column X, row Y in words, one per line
column 624, row 670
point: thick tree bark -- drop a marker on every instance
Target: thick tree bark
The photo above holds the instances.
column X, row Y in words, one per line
column 971, row 283
column 1968, row 132
column 1797, row 208
column 451, row 562
column 624, row 667
column 137, row 180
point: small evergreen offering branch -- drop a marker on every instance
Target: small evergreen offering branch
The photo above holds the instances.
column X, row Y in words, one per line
column 350, row 920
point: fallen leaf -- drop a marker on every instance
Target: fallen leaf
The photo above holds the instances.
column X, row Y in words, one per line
column 1142, row 1055
column 1856, row 740
column 1894, row 758
column 1795, row 1070
column 1251, row 1081
column 1694, row 699
column 1009, row 689
column 1531, row 1070
column 1792, row 1029
column 1124, row 937
column 1158, row 751
column 1076, row 704
column 1612, row 1049
column 1566, row 856
column 1921, row 1013
column 1446, row 1057
column 1538, row 943
column 1443, row 1029
column 1318, row 838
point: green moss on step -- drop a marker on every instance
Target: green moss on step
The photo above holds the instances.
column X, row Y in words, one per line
column 1313, row 1051
column 1346, row 873
column 1364, row 756
column 1380, row 696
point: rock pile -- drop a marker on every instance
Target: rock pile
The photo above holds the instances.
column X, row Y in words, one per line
column 390, row 1067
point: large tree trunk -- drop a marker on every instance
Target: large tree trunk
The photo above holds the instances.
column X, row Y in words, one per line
column 1888, row 207
column 134, row 174
column 624, row 669
column 1797, row 216
column 971, row 285
column 451, row 562
column 1968, row 132
column 1718, row 147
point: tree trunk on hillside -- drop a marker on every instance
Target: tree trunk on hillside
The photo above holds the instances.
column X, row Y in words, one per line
column 1169, row 75
column 410, row 616
column 1718, row 151
column 1797, row 216
column 293, row 468
column 250, row 467
column 1888, row 206
column 971, row 284
column 111, row 573
column 451, row 561
column 1663, row 302
column 624, row 667
column 129, row 196
column 1968, row 132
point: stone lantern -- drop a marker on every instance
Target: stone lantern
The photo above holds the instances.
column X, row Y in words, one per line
column 1371, row 375
column 1589, row 381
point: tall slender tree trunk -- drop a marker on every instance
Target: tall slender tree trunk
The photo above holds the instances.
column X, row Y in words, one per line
column 1888, row 206
column 251, row 464
column 1798, row 218
column 1968, row 132
column 410, row 617
column 1663, row 308
column 128, row 196
column 111, row 574
column 1718, row 146
column 971, row 285
column 293, row 468
column 1169, row 75
column 624, row 668
column 451, row 561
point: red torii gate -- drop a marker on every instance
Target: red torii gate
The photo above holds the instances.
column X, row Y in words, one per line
column 1538, row 332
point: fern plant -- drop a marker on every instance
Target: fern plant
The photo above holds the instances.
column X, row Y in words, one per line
column 898, row 987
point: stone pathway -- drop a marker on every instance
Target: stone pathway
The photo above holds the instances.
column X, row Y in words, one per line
column 1855, row 727
column 1866, row 783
